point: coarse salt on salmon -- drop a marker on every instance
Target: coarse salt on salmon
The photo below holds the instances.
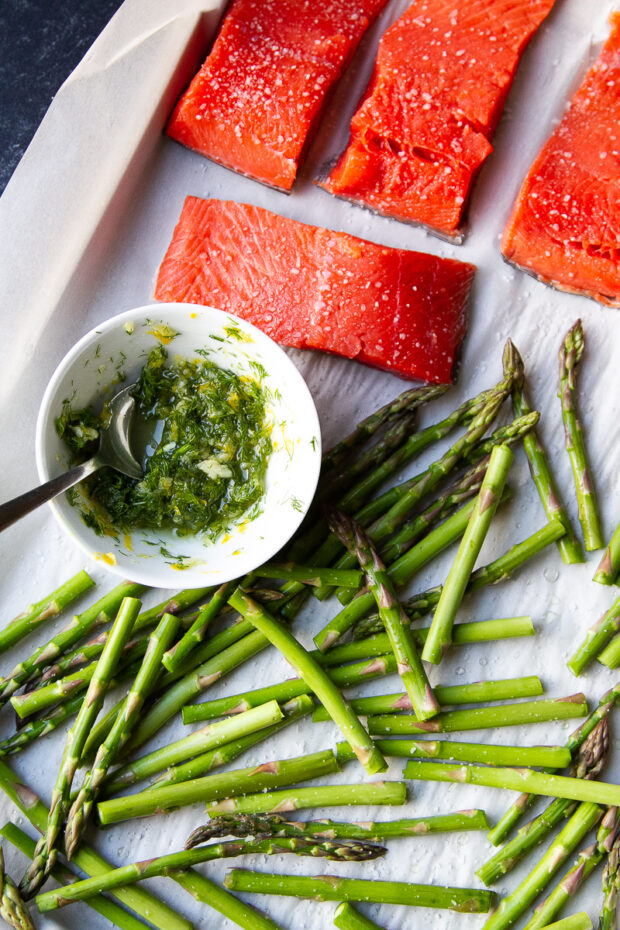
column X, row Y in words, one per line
column 256, row 100
column 423, row 128
column 313, row 288
column 565, row 224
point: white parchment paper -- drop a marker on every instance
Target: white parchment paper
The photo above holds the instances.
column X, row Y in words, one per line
column 84, row 224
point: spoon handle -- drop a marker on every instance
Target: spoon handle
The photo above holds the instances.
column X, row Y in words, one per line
column 25, row 503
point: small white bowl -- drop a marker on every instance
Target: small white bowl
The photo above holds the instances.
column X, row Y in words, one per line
column 90, row 372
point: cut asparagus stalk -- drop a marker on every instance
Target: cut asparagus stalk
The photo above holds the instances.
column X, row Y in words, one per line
column 335, row 888
column 99, row 613
column 49, row 607
column 45, row 853
column 586, row 862
column 485, row 505
column 174, row 658
column 577, row 739
column 208, row 892
column 484, row 753
column 475, row 693
column 293, row 799
column 292, row 710
column 597, row 637
column 314, row 575
column 120, row 733
column 553, row 786
column 609, row 567
column 408, row 662
column 513, row 906
column 570, row 355
column 478, row 718
column 543, row 477
column 263, row 777
column 186, row 858
column 308, row 668
column 142, row 902
column 276, row 825
column 347, row 918
column 34, row 729
column 610, row 656
column 588, row 763
column 112, row 912
column 213, row 735
column 579, row 921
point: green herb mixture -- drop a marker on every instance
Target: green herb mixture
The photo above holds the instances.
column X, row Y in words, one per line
column 208, row 468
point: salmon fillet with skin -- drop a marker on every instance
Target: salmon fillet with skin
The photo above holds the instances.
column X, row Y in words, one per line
column 565, row 224
column 312, row 288
column 423, row 129
column 254, row 103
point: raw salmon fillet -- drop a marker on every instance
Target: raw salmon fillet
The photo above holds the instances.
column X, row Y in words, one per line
column 565, row 224
column 312, row 288
column 423, row 128
column 255, row 101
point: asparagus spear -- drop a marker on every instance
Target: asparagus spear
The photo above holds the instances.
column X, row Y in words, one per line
column 462, row 489
column 37, row 728
column 309, row 669
column 468, row 752
column 543, row 477
column 481, row 631
column 576, row 740
column 514, row 905
column 347, row 918
column 440, row 634
column 109, row 909
column 579, row 921
column 610, row 656
column 100, row 612
column 609, row 567
column 596, row 639
column 209, row 737
column 478, row 692
column 400, row 572
column 611, row 885
column 208, row 892
column 263, row 777
column 314, row 575
column 588, row 764
column 175, row 656
column 409, row 399
column 45, row 854
column 275, row 825
column 292, row 710
column 118, row 736
column 12, row 908
column 570, row 355
column 407, row 495
column 498, row 570
column 408, row 661
column 138, row 871
column 49, row 607
column 335, row 888
column 554, row 786
column 293, row 799
column 144, row 903
column 477, row 718
column 586, row 862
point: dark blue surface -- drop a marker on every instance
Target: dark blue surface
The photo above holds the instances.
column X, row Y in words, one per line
column 41, row 42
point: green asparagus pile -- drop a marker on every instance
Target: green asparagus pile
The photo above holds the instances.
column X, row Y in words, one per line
column 363, row 541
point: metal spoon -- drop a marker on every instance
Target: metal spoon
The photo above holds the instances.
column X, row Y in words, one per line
column 114, row 451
